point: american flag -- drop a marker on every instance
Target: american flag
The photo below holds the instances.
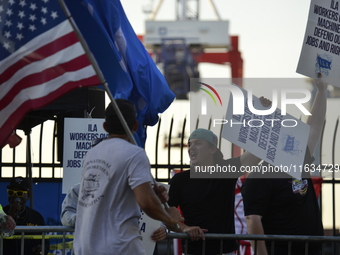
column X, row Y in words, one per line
column 40, row 59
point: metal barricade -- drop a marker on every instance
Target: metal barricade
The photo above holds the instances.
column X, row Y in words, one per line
column 333, row 240
column 41, row 234
column 44, row 230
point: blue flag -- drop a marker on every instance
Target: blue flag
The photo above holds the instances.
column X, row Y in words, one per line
column 125, row 63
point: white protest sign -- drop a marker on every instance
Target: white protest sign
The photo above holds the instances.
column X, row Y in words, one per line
column 78, row 136
column 147, row 227
column 321, row 45
column 277, row 139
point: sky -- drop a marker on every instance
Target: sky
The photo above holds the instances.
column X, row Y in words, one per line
column 270, row 32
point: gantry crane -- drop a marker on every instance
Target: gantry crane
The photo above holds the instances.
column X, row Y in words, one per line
column 181, row 44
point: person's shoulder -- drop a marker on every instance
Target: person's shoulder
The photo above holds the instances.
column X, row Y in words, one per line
column 181, row 176
column 231, row 161
column 118, row 142
column 132, row 147
column 256, row 178
column 266, row 180
column 76, row 188
column 6, row 208
column 34, row 217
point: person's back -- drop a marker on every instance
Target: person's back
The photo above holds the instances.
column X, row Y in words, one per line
column 115, row 186
column 293, row 210
column 106, row 199
column 276, row 203
column 69, row 213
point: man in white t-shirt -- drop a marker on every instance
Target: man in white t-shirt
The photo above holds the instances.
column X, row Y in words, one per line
column 116, row 183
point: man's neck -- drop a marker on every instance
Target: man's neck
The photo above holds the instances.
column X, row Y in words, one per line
column 124, row 137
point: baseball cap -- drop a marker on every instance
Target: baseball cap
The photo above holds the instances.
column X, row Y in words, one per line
column 19, row 183
column 204, row 134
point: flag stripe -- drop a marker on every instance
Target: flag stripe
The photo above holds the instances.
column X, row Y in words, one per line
column 52, row 89
column 16, row 115
column 58, row 58
column 40, row 54
column 44, row 76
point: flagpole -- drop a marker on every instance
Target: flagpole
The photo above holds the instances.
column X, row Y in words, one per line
column 98, row 71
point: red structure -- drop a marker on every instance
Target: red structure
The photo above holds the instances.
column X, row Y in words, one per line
column 233, row 56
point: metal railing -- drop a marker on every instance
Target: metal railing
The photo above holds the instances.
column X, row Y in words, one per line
column 307, row 240
column 42, row 233
column 329, row 244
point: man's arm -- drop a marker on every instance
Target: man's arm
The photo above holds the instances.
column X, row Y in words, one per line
column 194, row 232
column 68, row 217
column 151, row 205
column 159, row 234
column 316, row 120
column 255, row 227
column 69, row 207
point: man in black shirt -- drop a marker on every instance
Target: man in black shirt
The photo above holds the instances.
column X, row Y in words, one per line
column 207, row 204
column 281, row 205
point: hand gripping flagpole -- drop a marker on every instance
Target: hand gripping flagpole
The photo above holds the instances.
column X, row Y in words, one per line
column 103, row 82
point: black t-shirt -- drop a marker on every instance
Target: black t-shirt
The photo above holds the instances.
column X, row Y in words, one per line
column 207, row 203
column 288, row 207
column 28, row 217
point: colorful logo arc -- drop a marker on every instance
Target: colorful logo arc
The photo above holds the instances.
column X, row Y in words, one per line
column 210, row 94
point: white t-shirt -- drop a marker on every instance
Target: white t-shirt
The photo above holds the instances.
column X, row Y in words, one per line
column 108, row 214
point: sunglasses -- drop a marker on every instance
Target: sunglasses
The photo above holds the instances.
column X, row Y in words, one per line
column 18, row 193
